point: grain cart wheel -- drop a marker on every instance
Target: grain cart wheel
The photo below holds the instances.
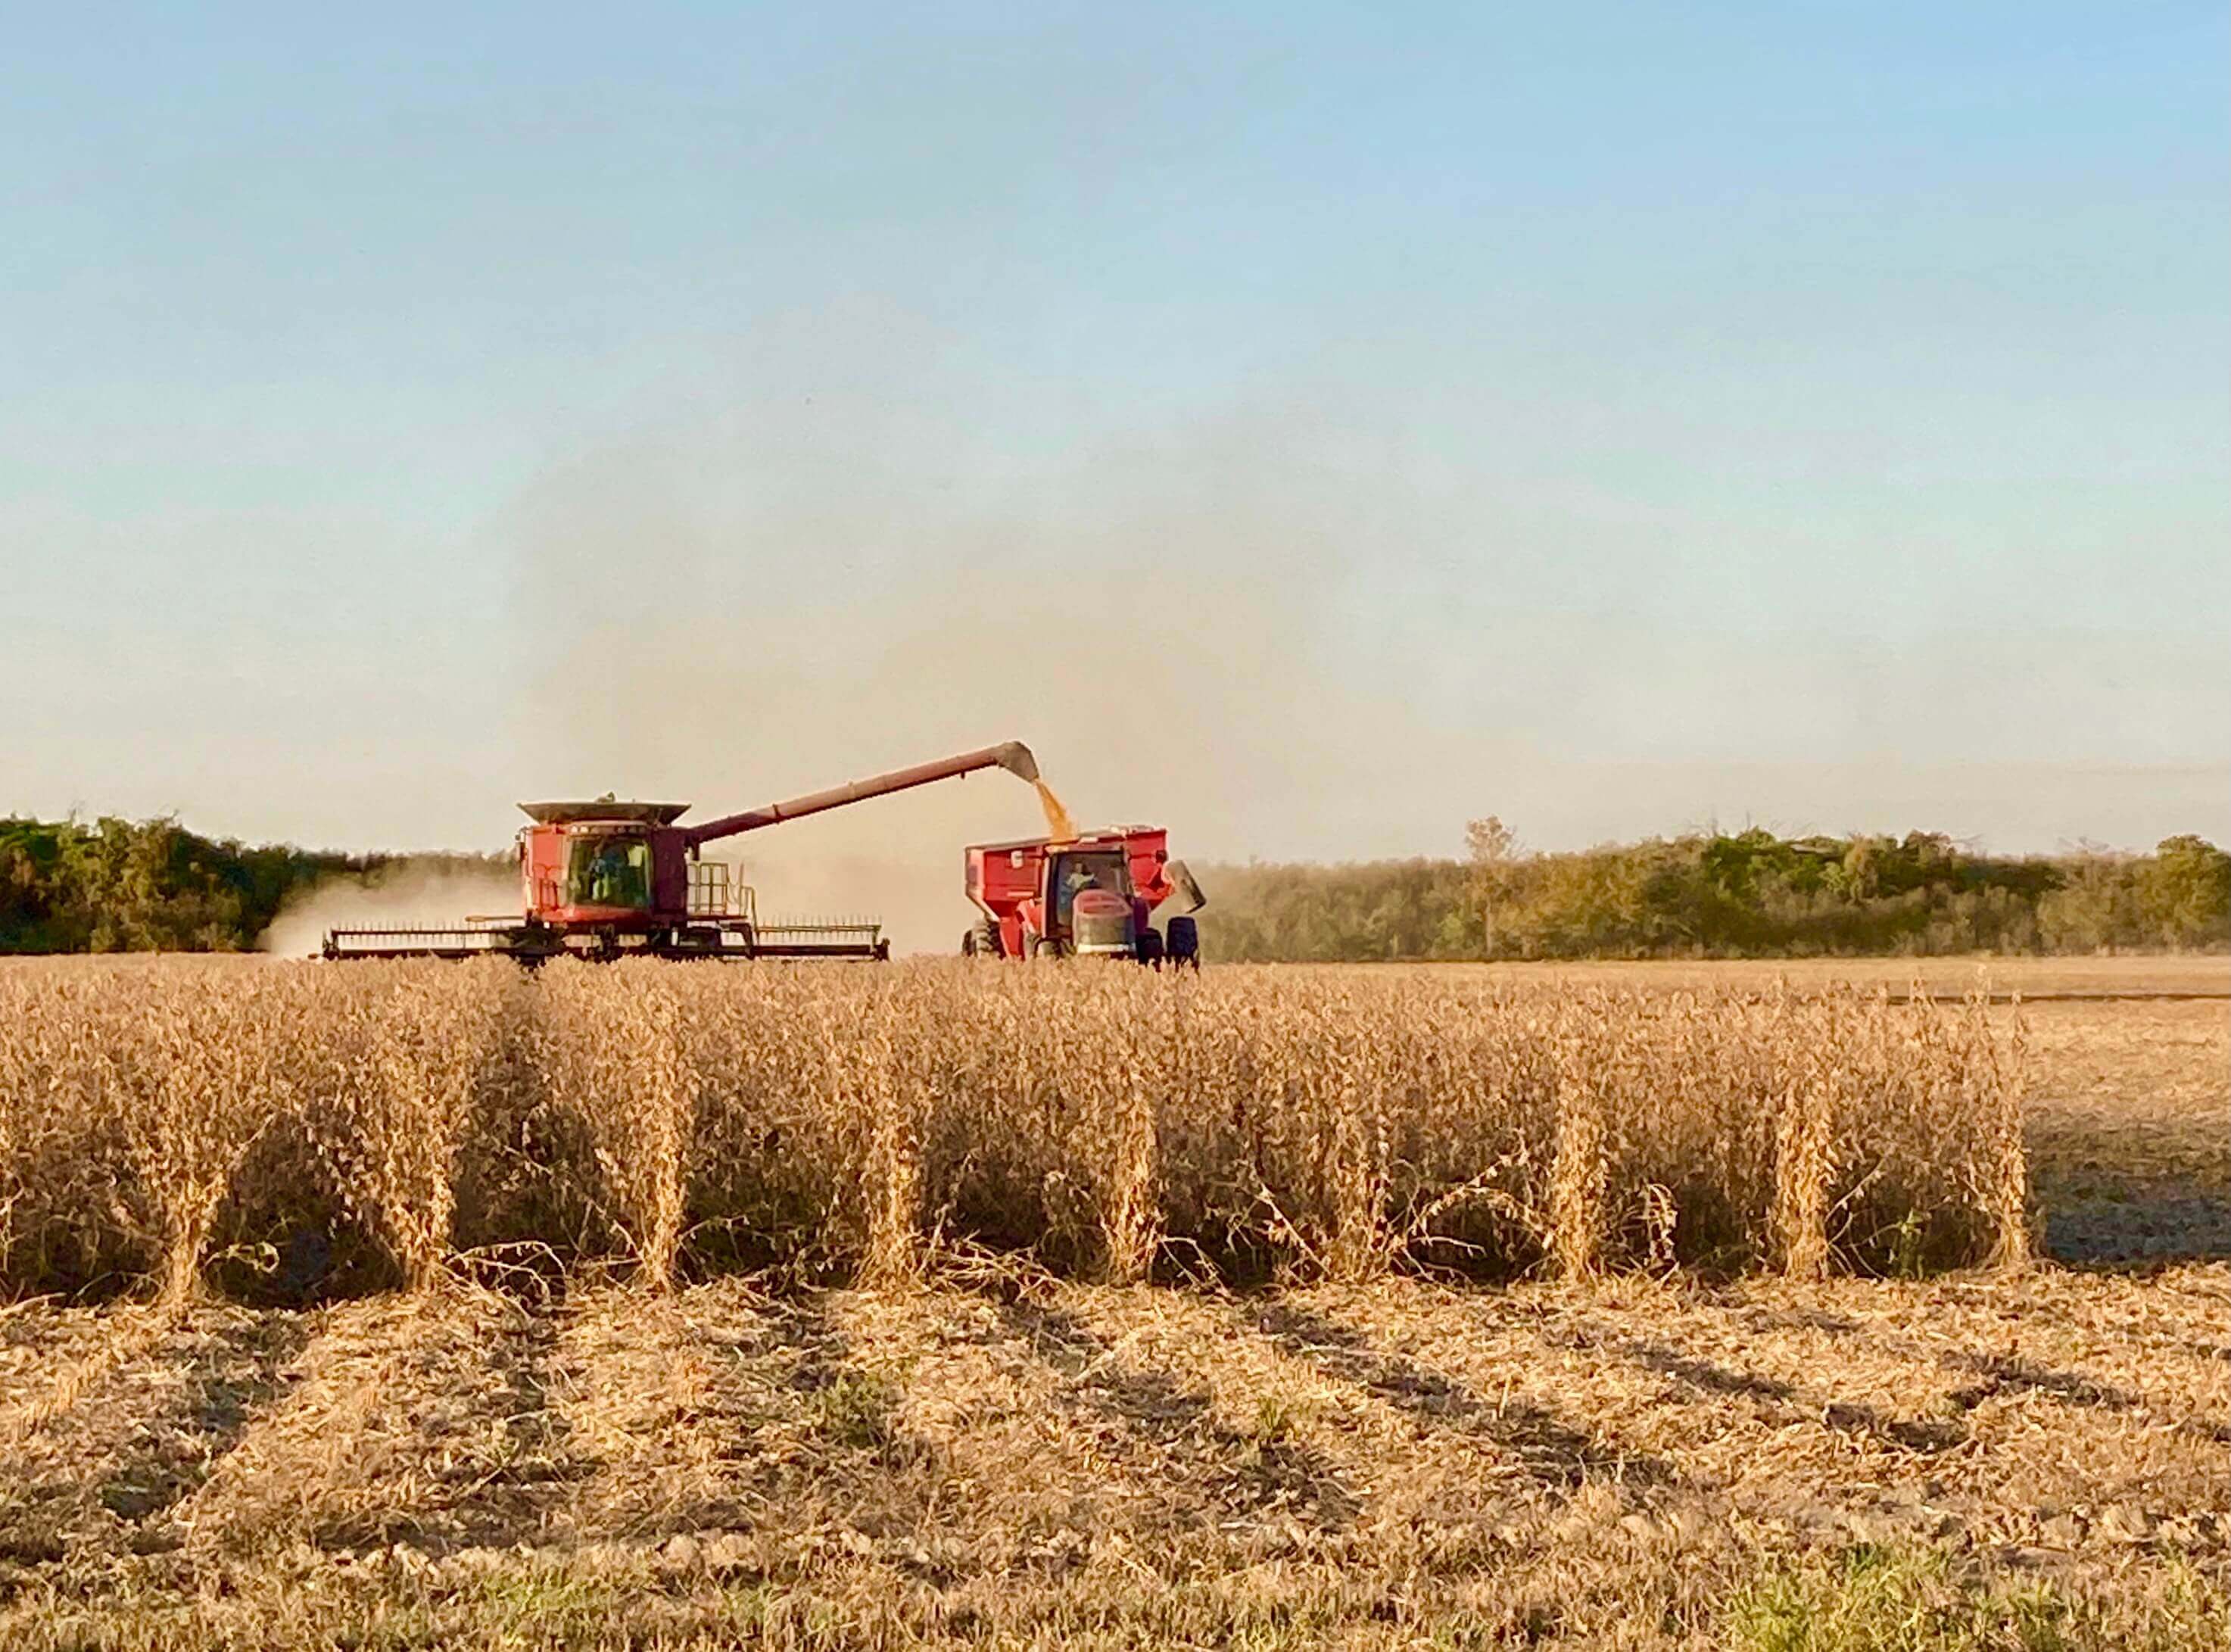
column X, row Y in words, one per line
column 982, row 940
column 1149, row 948
column 1182, row 943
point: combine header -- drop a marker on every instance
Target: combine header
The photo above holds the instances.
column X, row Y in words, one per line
column 607, row 879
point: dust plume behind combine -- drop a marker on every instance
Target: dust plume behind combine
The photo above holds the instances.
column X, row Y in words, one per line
column 402, row 894
column 1285, row 632
column 778, row 599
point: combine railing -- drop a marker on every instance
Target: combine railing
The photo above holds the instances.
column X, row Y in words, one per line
column 709, row 891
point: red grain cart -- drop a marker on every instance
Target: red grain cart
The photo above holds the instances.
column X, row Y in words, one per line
column 1091, row 896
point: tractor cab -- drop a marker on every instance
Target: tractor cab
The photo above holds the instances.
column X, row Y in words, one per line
column 1088, row 909
column 1073, row 873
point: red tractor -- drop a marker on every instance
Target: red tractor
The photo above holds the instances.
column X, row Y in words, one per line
column 605, row 879
column 1089, row 896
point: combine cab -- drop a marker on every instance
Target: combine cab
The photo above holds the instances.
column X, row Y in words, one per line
column 607, row 879
column 1091, row 896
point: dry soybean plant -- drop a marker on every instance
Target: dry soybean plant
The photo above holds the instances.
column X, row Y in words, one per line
column 612, row 1052
column 1246, row 1123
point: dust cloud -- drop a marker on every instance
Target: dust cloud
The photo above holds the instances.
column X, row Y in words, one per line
column 1272, row 627
column 796, row 589
column 402, row 894
column 1150, row 691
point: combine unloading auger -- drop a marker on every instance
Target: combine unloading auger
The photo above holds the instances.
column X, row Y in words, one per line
column 608, row 879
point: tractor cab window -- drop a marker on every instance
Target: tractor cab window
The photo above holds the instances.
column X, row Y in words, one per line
column 1108, row 871
column 608, row 872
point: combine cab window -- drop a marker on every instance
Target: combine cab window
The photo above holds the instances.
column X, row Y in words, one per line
column 608, row 872
column 1110, row 871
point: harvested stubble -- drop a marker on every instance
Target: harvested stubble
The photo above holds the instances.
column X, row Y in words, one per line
column 1108, row 1122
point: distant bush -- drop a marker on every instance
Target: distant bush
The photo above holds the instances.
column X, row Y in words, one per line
column 1749, row 894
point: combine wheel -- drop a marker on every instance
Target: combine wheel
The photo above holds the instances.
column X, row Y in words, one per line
column 1182, row 944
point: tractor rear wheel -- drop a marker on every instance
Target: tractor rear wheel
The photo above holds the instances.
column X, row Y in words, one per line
column 1047, row 946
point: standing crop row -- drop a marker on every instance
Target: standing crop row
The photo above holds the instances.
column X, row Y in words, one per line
column 301, row 1128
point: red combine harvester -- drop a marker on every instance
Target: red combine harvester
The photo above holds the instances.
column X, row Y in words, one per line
column 607, row 879
column 1085, row 896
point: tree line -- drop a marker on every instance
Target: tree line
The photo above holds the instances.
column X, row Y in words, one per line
column 1717, row 895
column 111, row 885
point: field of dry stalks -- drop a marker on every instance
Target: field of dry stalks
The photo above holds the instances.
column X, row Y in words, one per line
column 1243, row 1124
column 950, row 1305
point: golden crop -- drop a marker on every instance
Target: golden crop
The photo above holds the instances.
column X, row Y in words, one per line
column 161, row 1125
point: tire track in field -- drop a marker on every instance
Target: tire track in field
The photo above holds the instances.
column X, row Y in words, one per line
column 1545, row 1445
column 422, row 1422
column 995, row 1469
column 2049, row 1407
column 130, row 1435
column 694, row 1411
column 1435, row 1478
column 1288, row 1451
column 1234, row 1468
column 1558, row 1395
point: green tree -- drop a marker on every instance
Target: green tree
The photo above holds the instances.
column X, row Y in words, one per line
column 1492, row 849
column 2185, row 892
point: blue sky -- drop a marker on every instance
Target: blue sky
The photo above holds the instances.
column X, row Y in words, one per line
column 1311, row 424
